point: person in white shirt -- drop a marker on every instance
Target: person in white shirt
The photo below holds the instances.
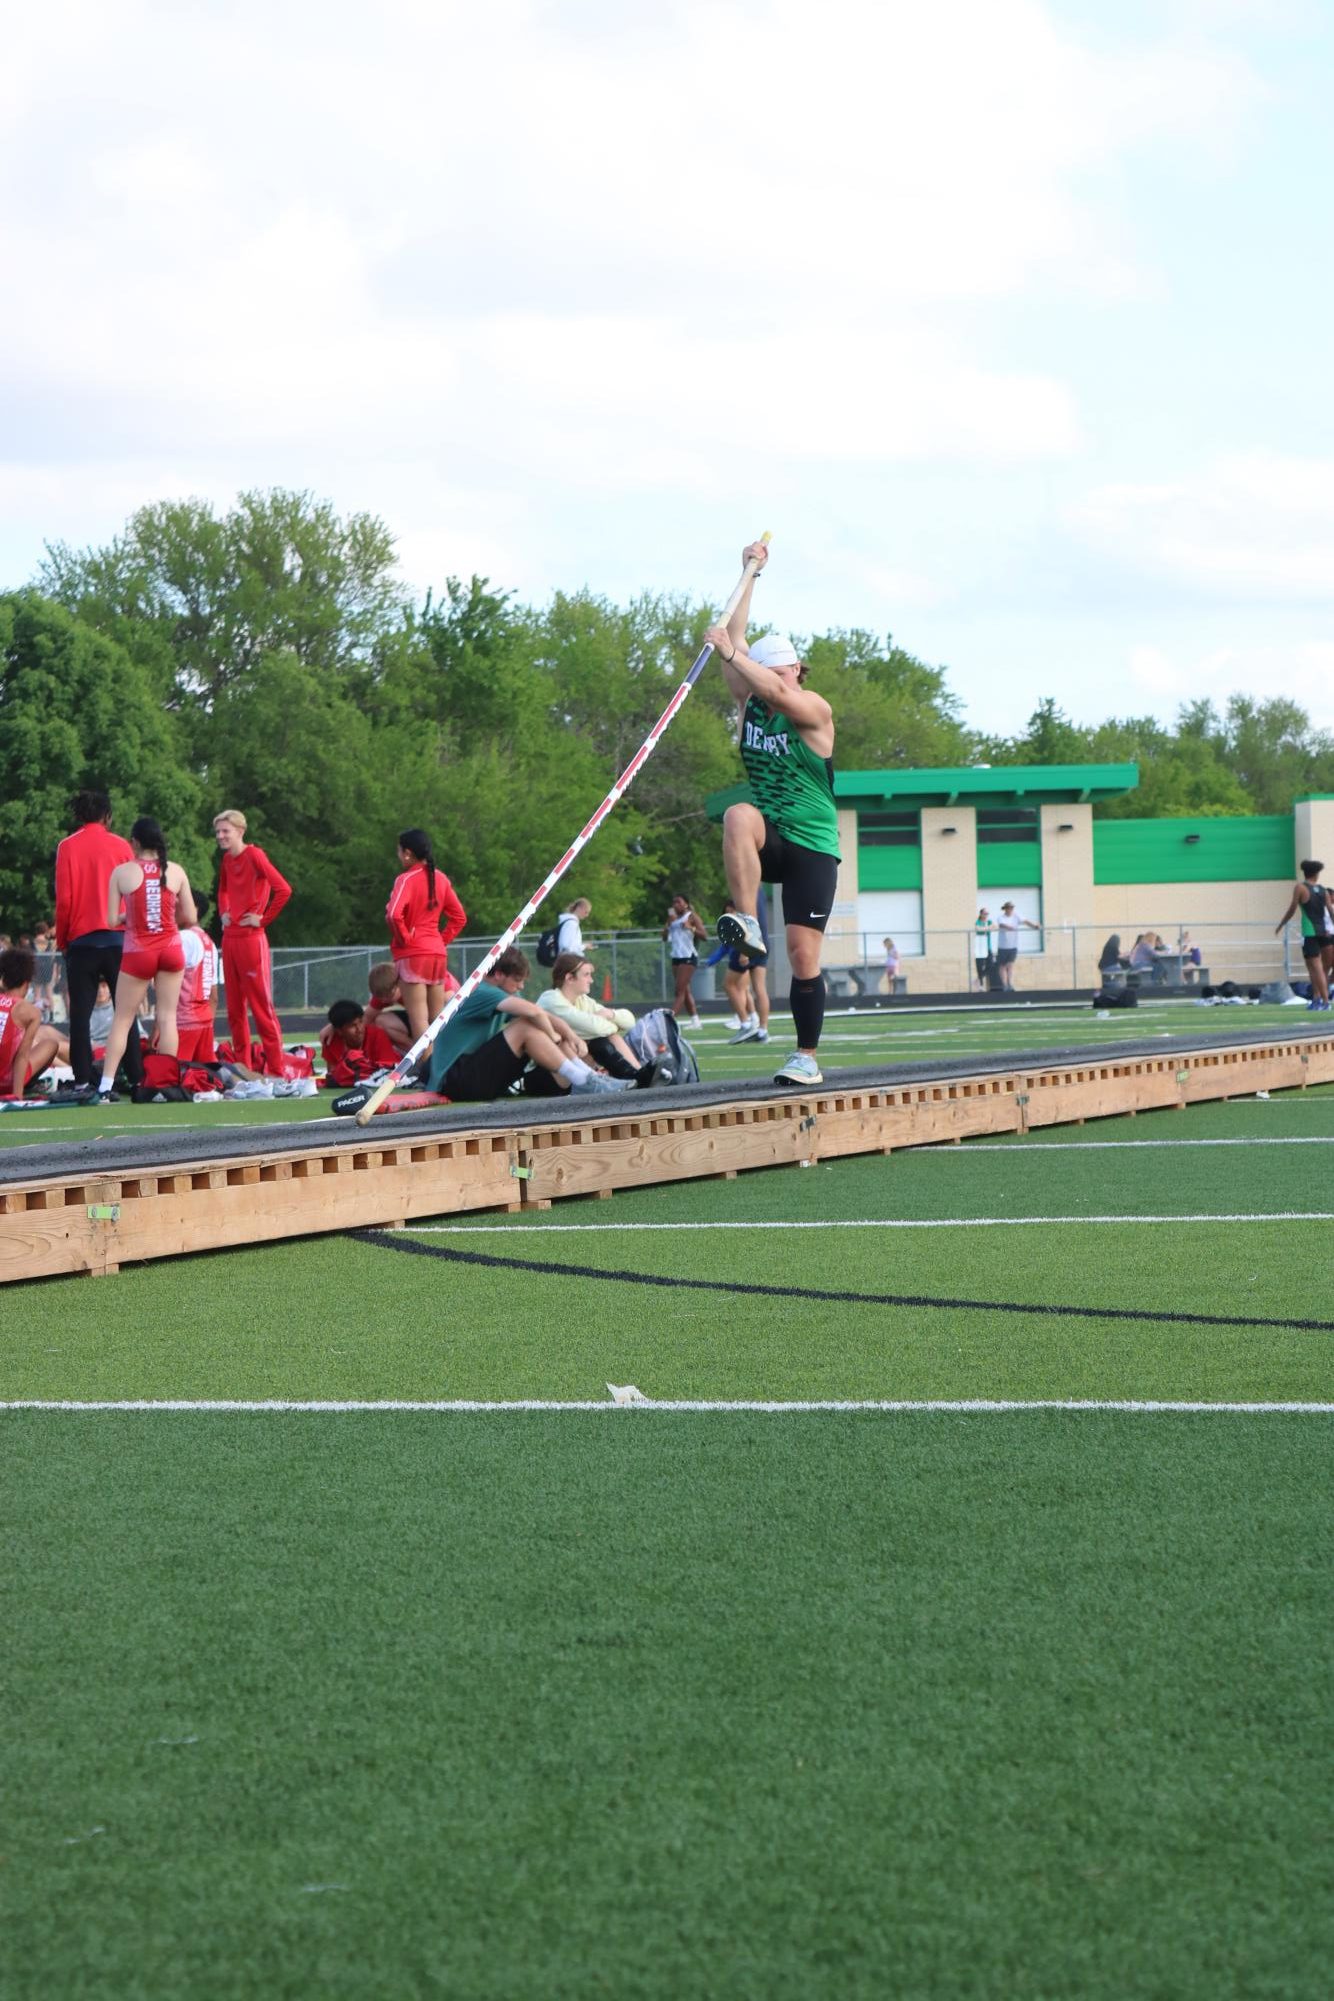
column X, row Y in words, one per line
column 570, row 925
column 681, row 930
column 603, row 1028
column 1008, row 926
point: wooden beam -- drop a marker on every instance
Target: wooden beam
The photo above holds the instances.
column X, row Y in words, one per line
column 96, row 1222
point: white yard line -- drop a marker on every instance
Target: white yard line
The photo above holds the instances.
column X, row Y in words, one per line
column 983, row 1405
column 860, row 1223
column 1028, row 1147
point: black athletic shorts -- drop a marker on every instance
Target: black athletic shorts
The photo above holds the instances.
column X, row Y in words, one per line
column 484, row 1073
column 809, row 878
column 1007, row 955
column 1312, row 947
column 693, row 960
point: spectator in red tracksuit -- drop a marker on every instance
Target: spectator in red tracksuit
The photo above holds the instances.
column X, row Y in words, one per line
column 91, row 945
column 250, row 895
column 420, row 898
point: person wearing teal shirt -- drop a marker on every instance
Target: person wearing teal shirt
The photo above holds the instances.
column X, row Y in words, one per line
column 495, row 1034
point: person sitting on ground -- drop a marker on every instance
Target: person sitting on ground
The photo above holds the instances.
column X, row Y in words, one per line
column 385, row 1006
column 570, row 999
column 101, row 1018
column 354, row 1046
column 196, row 1005
column 27, row 1043
column 496, row 1033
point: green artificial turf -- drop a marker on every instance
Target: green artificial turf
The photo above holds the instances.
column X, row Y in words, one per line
column 339, row 1317
column 657, row 1705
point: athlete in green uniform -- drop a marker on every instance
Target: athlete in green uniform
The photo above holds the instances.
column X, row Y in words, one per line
column 788, row 830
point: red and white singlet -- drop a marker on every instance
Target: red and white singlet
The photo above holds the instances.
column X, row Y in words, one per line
column 152, row 940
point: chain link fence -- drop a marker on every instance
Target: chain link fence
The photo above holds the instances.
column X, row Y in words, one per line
column 635, row 964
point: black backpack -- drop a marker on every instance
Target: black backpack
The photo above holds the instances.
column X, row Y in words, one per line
column 548, row 946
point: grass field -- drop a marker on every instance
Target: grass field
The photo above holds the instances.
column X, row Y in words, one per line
column 695, row 1698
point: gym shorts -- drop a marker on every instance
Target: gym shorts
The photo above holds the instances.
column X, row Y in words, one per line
column 1313, row 946
column 693, row 960
column 809, row 878
column 1007, row 955
column 484, row 1073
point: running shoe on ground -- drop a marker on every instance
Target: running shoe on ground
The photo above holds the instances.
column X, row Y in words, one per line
column 251, row 1087
column 741, row 933
column 749, row 1032
column 799, row 1069
column 595, row 1081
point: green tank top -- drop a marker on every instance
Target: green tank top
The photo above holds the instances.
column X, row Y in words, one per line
column 791, row 785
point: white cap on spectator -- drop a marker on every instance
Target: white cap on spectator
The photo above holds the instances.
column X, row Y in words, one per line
column 774, row 651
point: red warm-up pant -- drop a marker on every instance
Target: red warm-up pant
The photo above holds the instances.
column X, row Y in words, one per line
column 247, row 984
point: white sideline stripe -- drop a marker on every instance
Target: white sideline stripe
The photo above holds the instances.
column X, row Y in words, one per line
column 860, row 1223
column 950, row 1151
column 466, row 1404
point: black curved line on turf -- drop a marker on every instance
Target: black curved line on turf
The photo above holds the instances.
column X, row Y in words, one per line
column 751, row 1290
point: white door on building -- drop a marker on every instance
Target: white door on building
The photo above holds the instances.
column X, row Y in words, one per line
column 890, row 913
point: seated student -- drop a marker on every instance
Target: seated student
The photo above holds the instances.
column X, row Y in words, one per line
column 496, row 1034
column 196, row 1005
column 570, row 999
column 354, row 1046
column 1144, row 956
column 27, row 1043
column 385, row 1006
column 101, row 1018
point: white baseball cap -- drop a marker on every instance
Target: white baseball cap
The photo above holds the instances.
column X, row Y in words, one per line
column 774, row 651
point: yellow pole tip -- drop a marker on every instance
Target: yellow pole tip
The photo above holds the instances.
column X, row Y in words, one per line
column 766, row 537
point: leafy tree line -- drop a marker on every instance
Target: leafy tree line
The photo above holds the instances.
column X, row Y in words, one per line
column 270, row 658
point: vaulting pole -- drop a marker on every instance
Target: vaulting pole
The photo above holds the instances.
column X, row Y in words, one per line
column 407, row 1062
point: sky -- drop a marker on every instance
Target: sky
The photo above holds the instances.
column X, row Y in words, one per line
column 1011, row 321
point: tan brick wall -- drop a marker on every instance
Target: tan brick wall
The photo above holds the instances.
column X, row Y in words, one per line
column 1313, row 832
column 1067, row 864
column 949, row 868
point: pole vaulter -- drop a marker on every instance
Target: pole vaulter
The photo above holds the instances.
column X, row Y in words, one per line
column 366, row 1102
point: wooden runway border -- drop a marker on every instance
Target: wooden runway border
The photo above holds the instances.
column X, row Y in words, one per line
column 96, row 1223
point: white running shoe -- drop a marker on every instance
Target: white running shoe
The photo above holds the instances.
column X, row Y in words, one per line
column 595, row 1081
column 742, row 933
column 295, row 1087
column 251, row 1087
column 749, row 1031
column 733, row 1021
column 799, row 1069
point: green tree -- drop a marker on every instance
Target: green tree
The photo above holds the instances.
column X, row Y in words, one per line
column 201, row 598
column 76, row 710
column 890, row 709
column 1271, row 746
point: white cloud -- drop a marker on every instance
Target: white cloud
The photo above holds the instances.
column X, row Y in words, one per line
column 1247, row 526
column 1303, row 671
column 270, row 222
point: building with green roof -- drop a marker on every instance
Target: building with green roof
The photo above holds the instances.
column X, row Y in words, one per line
column 926, row 852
